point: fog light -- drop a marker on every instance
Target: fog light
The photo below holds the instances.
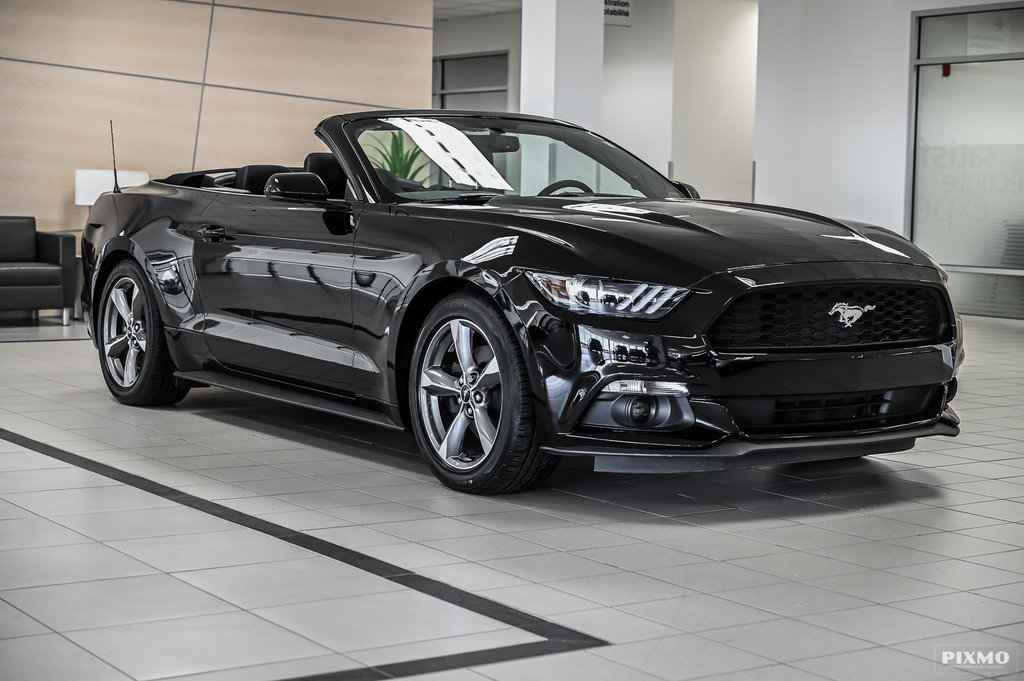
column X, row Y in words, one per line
column 641, row 410
column 635, row 386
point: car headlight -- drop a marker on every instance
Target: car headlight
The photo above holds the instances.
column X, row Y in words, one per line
column 611, row 297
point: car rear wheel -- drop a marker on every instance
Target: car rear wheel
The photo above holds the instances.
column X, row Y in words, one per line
column 136, row 364
column 470, row 400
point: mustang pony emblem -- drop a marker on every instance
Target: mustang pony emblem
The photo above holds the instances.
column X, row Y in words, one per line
column 849, row 314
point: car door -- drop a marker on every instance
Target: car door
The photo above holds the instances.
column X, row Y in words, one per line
column 275, row 278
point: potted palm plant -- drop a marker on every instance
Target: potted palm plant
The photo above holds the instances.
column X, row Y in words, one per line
column 403, row 161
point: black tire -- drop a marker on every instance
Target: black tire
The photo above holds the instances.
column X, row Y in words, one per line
column 458, row 411
column 134, row 359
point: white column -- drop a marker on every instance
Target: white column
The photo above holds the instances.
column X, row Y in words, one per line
column 562, row 60
column 716, row 69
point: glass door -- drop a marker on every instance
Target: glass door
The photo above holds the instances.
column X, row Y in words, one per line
column 968, row 182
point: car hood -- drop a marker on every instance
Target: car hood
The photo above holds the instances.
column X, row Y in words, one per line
column 692, row 238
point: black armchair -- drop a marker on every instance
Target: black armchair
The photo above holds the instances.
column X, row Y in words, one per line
column 37, row 269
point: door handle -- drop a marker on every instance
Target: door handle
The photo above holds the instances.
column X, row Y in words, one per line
column 213, row 233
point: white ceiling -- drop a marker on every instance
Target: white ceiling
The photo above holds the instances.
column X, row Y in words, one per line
column 457, row 9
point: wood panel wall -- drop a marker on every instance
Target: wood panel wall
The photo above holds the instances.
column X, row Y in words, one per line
column 189, row 85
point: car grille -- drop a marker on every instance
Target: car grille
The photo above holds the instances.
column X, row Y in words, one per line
column 814, row 318
column 794, row 414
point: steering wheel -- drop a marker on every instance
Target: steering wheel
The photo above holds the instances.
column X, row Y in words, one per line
column 563, row 184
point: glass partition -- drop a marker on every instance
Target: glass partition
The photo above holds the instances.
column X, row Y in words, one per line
column 968, row 202
column 974, row 33
column 473, row 83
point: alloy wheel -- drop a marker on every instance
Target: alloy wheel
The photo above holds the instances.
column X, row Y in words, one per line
column 460, row 395
column 123, row 331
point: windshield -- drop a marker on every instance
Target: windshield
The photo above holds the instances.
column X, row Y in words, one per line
column 460, row 158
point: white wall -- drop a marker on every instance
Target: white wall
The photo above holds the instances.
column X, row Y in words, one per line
column 491, row 33
column 678, row 84
column 638, row 64
column 713, row 95
column 833, row 80
column 637, row 96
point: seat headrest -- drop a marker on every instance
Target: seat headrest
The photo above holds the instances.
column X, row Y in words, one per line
column 253, row 178
column 327, row 167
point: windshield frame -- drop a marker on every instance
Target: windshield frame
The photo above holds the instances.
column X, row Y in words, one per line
column 652, row 184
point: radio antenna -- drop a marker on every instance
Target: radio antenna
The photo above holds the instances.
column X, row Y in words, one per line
column 113, row 157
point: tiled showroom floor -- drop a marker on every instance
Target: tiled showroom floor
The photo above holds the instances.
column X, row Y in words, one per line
column 230, row 538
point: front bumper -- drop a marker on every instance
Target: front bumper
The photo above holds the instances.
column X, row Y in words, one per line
column 737, row 452
column 863, row 401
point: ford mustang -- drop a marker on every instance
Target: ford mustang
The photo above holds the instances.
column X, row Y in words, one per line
column 514, row 290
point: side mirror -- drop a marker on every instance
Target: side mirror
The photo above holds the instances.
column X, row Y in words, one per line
column 296, row 187
column 688, row 189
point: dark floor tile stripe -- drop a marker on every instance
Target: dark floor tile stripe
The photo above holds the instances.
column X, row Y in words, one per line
column 364, row 674
column 503, row 613
column 558, row 638
column 446, row 662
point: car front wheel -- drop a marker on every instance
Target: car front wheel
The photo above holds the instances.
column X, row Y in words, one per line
column 136, row 364
column 471, row 402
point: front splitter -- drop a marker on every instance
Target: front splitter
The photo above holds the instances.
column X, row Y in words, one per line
column 737, row 453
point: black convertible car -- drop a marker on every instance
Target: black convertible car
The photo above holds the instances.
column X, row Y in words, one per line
column 516, row 289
